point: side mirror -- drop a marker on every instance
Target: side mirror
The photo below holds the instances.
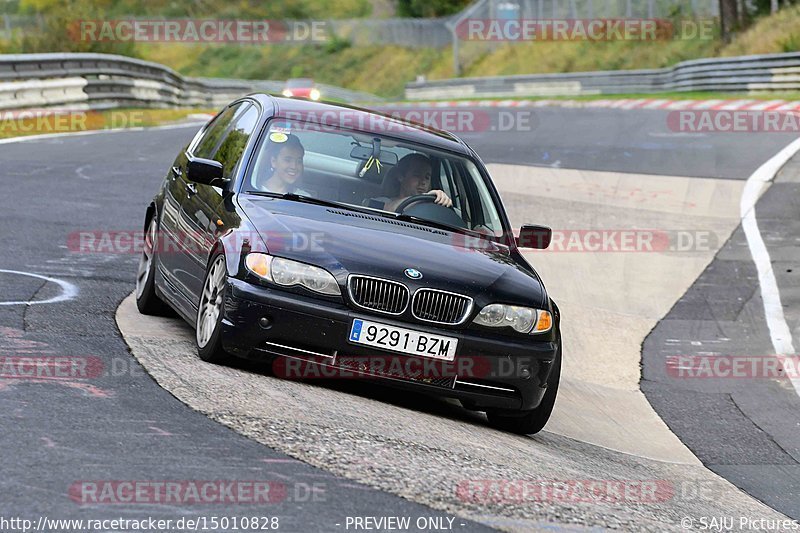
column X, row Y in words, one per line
column 205, row 171
column 533, row 236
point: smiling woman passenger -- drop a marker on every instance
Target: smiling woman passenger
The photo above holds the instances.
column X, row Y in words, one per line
column 286, row 164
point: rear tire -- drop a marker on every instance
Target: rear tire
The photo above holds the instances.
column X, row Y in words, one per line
column 208, row 337
column 532, row 421
column 147, row 301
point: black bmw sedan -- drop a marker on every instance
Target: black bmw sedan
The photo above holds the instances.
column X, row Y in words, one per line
column 338, row 242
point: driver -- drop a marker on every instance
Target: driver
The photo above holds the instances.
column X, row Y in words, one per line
column 411, row 176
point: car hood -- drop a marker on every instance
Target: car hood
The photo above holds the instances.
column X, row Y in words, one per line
column 349, row 242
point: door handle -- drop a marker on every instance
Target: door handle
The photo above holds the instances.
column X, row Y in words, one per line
column 191, row 189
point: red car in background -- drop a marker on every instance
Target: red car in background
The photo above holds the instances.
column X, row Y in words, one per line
column 301, row 88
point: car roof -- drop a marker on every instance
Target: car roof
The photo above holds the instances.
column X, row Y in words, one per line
column 406, row 131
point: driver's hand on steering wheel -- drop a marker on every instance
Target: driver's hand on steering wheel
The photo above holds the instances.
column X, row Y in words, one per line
column 441, row 198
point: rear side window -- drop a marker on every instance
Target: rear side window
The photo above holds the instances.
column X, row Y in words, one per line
column 230, row 150
column 206, row 146
column 227, row 136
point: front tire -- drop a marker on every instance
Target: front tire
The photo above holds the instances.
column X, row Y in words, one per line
column 534, row 420
column 147, row 301
column 208, row 336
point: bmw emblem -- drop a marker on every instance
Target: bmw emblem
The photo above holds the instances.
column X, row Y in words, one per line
column 413, row 273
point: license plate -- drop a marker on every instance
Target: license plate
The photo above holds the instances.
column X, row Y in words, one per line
column 403, row 340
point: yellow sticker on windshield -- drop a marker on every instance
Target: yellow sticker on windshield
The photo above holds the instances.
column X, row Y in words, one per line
column 278, row 137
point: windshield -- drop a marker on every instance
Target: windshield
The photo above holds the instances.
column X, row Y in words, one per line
column 374, row 172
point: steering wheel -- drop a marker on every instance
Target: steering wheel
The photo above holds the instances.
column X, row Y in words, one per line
column 427, row 198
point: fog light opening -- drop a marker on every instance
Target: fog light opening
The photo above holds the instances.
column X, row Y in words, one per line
column 265, row 322
column 525, row 372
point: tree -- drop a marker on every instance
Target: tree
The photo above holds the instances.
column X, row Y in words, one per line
column 729, row 18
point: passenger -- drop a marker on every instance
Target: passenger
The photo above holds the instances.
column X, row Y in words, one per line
column 285, row 154
column 411, row 176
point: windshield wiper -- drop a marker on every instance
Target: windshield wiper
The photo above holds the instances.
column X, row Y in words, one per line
column 434, row 223
column 303, row 198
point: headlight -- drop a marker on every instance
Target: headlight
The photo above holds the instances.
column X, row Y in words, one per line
column 287, row 92
column 289, row 273
column 522, row 319
column 314, row 94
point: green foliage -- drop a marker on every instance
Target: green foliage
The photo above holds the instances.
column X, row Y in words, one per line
column 336, row 44
column 769, row 34
column 790, row 43
column 62, row 30
column 430, row 8
column 242, row 9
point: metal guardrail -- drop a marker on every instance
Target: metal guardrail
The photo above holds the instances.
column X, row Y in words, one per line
column 92, row 81
column 757, row 73
column 328, row 91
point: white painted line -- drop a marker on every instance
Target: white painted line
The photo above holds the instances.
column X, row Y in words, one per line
column 779, row 331
column 43, row 136
column 765, row 105
column 638, row 104
column 737, row 104
column 680, row 104
column 706, row 104
column 776, row 105
column 205, row 117
column 81, row 174
column 655, row 104
column 68, row 290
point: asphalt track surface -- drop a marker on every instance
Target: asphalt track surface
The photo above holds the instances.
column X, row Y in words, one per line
column 122, row 426
column 640, row 141
column 745, row 429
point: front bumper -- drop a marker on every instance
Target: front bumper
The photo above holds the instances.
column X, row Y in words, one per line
column 489, row 372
